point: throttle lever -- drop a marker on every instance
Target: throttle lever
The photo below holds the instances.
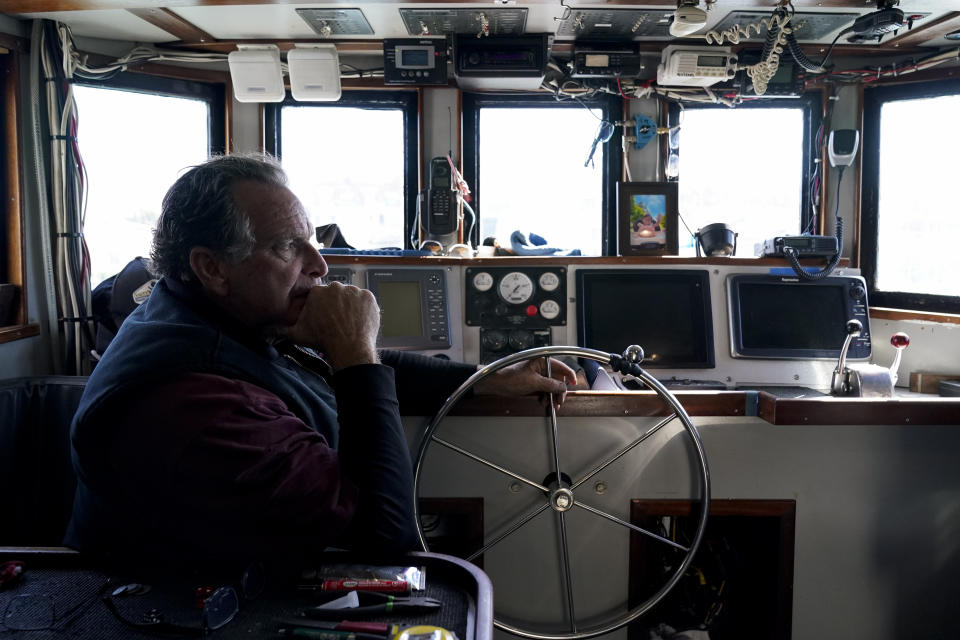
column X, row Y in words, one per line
column 840, row 383
column 900, row 341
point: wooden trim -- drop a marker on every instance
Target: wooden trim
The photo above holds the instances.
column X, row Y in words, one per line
column 14, row 43
column 13, row 185
column 262, row 125
column 865, row 411
column 857, row 186
column 620, row 404
column 9, row 334
column 228, row 144
column 421, row 127
column 883, row 313
column 25, row 6
column 925, row 32
column 825, row 410
column 173, row 24
column 226, row 46
column 664, row 262
column 824, row 163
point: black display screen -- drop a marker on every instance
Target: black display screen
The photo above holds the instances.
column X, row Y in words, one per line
column 773, row 316
column 667, row 312
column 792, row 316
column 400, row 309
column 414, row 57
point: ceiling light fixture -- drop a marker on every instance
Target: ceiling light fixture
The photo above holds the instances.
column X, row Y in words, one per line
column 314, row 72
column 256, row 74
column 688, row 18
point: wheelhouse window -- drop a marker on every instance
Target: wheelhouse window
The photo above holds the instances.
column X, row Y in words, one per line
column 747, row 167
column 910, row 226
column 352, row 162
column 524, row 160
column 136, row 135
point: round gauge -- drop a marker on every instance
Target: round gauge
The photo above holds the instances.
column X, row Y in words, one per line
column 549, row 281
column 520, row 339
column 516, row 287
column 482, row 281
column 549, row 309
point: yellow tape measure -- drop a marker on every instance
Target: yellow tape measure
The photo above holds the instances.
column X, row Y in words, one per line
column 425, row 632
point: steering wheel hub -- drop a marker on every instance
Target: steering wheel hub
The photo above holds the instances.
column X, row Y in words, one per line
column 561, row 499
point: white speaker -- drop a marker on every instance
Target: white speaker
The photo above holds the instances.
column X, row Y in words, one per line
column 314, row 72
column 256, row 74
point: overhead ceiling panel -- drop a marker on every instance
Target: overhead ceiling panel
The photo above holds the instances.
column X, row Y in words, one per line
column 248, row 22
column 336, row 22
column 615, row 23
column 111, row 24
column 437, row 22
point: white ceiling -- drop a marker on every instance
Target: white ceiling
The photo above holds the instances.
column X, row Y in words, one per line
column 281, row 22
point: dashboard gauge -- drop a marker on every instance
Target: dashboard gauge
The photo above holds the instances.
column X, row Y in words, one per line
column 549, row 281
column 516, row 287
column 482, row 281
column 549, row 309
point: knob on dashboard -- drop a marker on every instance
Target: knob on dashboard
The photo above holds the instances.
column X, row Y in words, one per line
column 900, row 340
column 854, row 327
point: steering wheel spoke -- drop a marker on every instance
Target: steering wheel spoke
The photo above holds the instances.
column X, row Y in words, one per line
column 631, row 526
column 514, row 527
column 492, row 465
column 624, row 451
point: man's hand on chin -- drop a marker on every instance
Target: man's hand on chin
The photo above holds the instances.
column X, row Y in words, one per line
column 340, row 320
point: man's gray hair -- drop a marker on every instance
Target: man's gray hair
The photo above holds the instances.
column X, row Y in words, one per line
column 199, row 211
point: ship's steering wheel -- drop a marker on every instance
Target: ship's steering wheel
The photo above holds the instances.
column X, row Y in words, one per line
column 560, row 493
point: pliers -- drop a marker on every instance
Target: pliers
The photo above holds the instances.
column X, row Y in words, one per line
column 372, row 603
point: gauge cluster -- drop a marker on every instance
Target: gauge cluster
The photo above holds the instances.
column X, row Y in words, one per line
column 514, row 306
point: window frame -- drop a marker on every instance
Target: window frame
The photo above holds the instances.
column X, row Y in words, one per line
column 811, row 102
column 213, row 93
column 873, row 100
column 611, row 167
column 407, row 100
column 14, row 270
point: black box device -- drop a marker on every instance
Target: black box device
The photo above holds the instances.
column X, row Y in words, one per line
column 414, row 306
column 784, row 317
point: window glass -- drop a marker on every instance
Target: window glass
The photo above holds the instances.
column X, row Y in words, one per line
column 917, row 224
column 346, row 164
column 134, row 146
column 744, row 168
column 533, row 179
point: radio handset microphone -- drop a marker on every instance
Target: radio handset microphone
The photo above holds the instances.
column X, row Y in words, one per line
column 441, row 215
column 842, row 147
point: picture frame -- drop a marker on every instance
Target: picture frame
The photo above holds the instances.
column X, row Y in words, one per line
column 647, row 218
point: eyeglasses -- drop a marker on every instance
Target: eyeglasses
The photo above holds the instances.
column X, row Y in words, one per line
column 218, row 609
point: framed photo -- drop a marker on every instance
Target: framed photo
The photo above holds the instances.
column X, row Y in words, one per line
column 647, row 218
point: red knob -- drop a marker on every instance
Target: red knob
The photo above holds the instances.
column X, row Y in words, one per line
column 532, row 310
column 900, row 340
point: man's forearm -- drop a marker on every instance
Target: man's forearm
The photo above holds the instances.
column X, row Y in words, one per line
column 374, row 455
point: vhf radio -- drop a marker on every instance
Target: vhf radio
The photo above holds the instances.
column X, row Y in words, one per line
column 441, row 199
column 803, row 246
